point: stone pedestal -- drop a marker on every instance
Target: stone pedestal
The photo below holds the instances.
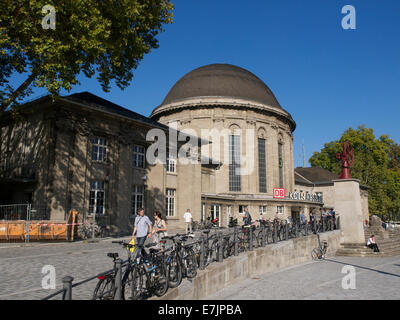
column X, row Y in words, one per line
column 348, row 206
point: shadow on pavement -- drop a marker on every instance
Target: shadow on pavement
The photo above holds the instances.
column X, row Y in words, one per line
column 366, row 268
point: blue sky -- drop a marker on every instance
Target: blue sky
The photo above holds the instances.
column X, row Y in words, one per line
column 328, row 78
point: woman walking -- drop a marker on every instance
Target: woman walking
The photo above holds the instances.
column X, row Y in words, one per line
column 160, row 229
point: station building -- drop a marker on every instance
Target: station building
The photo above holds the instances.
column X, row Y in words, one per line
column 86, row 153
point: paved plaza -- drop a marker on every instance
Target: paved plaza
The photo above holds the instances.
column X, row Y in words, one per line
column 21, row 274
column 21, row 267
column 376, row 278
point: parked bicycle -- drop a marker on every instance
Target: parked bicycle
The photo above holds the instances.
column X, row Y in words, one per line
column 106, row 287
column 87, row 230
column 149, row 274
column 319, row 252
column 181, row 262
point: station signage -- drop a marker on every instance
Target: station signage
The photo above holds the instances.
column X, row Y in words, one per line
column 279, row 193
column 304, row 196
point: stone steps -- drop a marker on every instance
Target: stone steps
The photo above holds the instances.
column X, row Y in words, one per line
column 388, row 243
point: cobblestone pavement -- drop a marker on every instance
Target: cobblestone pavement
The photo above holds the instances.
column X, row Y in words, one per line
column 21, row 266
column 376, row 278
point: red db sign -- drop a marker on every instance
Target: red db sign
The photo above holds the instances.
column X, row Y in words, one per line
column 279, row 193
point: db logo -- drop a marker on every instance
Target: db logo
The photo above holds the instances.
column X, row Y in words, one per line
column 279, row 193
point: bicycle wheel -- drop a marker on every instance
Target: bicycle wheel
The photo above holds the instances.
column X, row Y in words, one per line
column 316, row 254
column 191, row 264
column 132, row 288
column 174, row 271
column 105, row 289
column 160, row 280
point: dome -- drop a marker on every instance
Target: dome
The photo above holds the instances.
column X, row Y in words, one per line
column 221, row 80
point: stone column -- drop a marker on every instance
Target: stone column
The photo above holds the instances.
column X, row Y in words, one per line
column 348, row 206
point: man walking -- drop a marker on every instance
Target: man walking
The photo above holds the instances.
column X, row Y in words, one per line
column 142, row 229
column 188, row 220
column 247, row 217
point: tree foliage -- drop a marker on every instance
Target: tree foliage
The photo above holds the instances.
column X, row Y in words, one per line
column 376, row 165
column 106, row 38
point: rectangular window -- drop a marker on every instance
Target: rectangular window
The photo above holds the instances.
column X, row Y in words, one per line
column 280, row 165
column 203, row 212
column 170, row 202
column 171, row 164
column 228, row 213
column 262, row 175
column 138, row 156
column 241, row 208
column 137, row 199
column 263, row 210
column 279, row 209
column 99, row 149
column 234, row 163
column 96, row 197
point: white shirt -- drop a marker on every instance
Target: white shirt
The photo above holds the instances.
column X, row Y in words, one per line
column 370, row 241
column 187, row 216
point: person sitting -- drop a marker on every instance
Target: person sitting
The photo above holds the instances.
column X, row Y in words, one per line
column 372, row 244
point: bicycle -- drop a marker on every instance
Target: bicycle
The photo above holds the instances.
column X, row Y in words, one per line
column 106, row 288
column 268, row 233
column 319, row 253
column 209, row 250
column 181, row 262
column 85, row 230
column 149, row 274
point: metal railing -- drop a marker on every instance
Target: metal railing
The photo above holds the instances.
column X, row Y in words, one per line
column 281, row 232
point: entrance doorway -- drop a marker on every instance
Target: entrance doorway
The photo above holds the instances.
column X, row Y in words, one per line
column 216, row 213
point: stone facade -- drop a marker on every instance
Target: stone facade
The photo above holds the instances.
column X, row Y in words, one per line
column 79, row 153
column 48, row 160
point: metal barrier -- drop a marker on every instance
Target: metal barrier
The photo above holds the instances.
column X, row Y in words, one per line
column 68, row 285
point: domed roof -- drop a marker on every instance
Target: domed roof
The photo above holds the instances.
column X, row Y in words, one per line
column 221, row 80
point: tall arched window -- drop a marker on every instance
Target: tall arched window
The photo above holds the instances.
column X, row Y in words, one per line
column 234, row 159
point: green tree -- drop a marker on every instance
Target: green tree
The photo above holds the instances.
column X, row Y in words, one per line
column 376, row 165
column 105, row 38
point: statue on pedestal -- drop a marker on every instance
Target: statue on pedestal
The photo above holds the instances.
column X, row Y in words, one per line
column 347, row 159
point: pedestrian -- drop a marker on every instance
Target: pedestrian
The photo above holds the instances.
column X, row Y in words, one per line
column 371, row 243
column 159, row 229
column 303, row 218
column 142, row 230
column 247, row 217
column 188, row 221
